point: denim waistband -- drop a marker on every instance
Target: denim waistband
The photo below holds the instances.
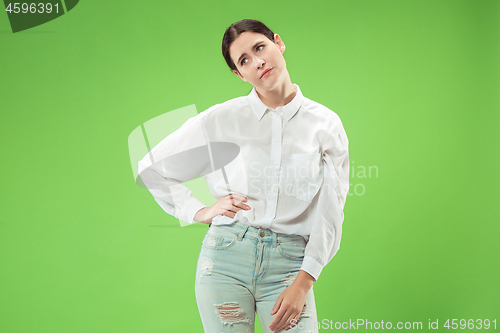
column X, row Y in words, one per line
column 262, row 234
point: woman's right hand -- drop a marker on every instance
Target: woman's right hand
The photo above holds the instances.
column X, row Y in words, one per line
column 228, row 205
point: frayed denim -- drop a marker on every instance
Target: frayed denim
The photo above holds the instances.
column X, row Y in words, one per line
column 242, row 270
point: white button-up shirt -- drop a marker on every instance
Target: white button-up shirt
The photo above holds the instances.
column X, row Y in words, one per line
column 291, row 163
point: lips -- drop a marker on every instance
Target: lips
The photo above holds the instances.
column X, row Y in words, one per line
column 266, row 72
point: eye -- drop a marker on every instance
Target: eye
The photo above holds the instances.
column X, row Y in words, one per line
column 245, row 60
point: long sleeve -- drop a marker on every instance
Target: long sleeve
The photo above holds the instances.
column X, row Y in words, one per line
column 326, row 231
column 178, row 158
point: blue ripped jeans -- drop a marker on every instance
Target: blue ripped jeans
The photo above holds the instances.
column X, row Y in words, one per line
column 242, row 270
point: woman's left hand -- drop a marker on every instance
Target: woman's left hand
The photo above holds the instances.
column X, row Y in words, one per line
column 290, row 303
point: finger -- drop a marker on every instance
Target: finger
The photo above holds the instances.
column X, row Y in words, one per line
column 288, row 322
column 274, row 322
column 278, row 319
column 223, row 207
column 285, row 319
column 293, row 322
column 232, row 210
column 228, row 207
column 236, row 198
column 228, row 214
column 276, row 305
column 236, row 206
column 240, row 206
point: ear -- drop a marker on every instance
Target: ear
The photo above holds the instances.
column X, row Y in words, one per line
column 279, row 42
column 238, row 73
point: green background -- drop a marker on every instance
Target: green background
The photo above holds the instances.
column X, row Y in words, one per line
column 416, row 84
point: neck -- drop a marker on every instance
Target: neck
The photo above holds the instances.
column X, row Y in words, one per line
column 278, row 96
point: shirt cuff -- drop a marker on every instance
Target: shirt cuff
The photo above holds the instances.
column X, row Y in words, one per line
column 193, row 205
column 312, row 267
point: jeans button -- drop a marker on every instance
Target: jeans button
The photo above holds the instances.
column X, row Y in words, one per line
column 262, row 233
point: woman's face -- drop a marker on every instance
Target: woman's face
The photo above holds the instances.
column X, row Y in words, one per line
column 258, row 60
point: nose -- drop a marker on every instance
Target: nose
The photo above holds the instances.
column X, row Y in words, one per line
column 259, row 62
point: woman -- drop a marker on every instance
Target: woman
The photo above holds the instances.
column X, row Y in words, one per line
column 277, row 221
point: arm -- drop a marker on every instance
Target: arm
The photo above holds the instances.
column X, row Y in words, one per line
column 290, row 302
column 165, row 167
column 324, row 239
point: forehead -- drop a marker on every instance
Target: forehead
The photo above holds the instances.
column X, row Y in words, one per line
column 244, row 43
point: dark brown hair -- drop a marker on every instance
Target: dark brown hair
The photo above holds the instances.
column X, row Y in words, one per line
column 237, row 29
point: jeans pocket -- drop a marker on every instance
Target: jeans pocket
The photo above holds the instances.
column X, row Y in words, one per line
column 292, row 250
column 216, row 240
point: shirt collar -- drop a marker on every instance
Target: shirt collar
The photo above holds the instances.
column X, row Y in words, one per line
column 289, row 110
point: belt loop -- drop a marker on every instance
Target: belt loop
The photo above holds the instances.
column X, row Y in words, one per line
column 243, row 232
column 275, row 239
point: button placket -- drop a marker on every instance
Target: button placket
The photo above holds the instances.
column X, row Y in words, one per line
column 272, row 201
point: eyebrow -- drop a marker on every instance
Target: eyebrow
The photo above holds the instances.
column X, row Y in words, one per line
column 254, row 46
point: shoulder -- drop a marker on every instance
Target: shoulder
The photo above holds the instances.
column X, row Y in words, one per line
column 319, row 111
column 223, row 108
